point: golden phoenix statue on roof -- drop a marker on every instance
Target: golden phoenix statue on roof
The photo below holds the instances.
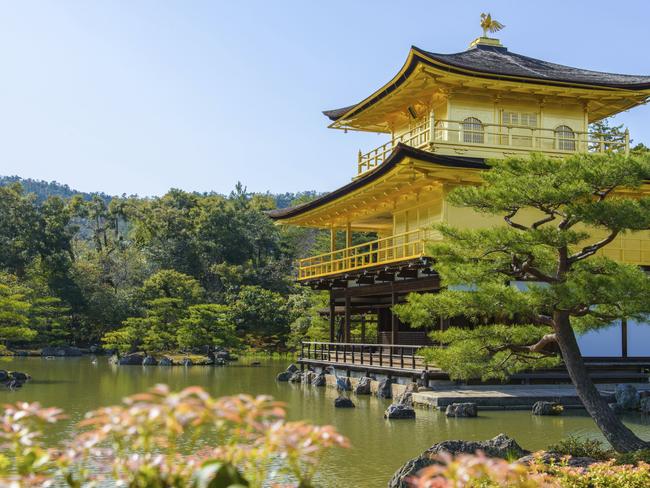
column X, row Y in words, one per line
column 490, row 25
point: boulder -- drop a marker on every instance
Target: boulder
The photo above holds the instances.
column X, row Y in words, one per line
column 399, row 411
column 547, row 408
column 406, row 398
column 284, row 376
column 644, row 405
column 223, row 355
column 296, row 377
column 219, row 361
column 165, row 361
column 149, row 361
column 4, row 375
column 363, row 386
column 61, row 351
column 343, row 402
column 256, row 363
column 627, row 397
column 187, row 362
column 131, row 360
column 466, row 409
column 343, row 383
column 319, row 380
column 500, row 446
column 385, row 390
column 19, row 376
column 292, row 368
column 308, row 377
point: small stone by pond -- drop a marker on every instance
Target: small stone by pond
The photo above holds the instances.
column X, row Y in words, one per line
column 343, row 402
column 547, row 408
column 399, row 411
column 363, row 386
column 385, row 388
column 319, row 380
column 343, row 383
column 627, row 396
column 466, row 409
column 13, row 379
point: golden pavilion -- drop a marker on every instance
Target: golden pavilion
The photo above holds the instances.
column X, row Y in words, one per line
column 444, row 115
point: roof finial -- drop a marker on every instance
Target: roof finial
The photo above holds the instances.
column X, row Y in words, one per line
column 490, row 25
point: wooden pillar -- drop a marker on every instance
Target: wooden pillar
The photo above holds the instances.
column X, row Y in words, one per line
column 347, row 324
column 332, row 319
column 332, row 239
column 394, row 323
column 624, row 338
column 348, row 244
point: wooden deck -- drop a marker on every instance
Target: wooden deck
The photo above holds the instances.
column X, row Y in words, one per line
column 404, row 361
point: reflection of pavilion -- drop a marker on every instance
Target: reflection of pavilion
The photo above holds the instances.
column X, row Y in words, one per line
column 445, row 114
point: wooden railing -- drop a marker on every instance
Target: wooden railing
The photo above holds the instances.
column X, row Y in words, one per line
column 372, row 355
column 400, row 247
column 432, row 134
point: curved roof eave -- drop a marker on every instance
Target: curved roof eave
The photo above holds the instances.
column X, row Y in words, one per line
column 573, row 77
column 400, row 152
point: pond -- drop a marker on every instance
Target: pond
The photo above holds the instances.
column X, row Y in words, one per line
column 379, row 447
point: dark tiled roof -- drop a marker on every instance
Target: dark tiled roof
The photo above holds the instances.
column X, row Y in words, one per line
column 498, row 61
column 400, row 152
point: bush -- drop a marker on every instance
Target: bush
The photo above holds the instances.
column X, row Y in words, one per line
column 578, row 447
column 143, row 444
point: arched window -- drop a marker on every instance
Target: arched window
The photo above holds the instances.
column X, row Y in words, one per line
column 473, row 131
column 566, row 138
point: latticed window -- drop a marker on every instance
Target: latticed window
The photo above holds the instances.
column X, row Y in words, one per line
column 566, row 138
column 473, row 131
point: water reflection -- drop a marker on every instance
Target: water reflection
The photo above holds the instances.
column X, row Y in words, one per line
column 379, row 446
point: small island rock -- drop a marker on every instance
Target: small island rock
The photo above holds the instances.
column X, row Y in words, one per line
column 466, row 409
column 343, row 383
column 385, row 389
column 363, row 386
column 165, row 361
column 131, row 360
column 627, row 397
column 547, row 408
column 399, row 411
column 343, row 402
column 319, row 380
column 149, row 361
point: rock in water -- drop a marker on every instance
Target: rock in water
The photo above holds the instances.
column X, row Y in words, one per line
column 343, row 402
column 547, row 408
column 187, row 362
column 406, row 398
column 292, row 368
column 131, row 360
column 319, row 380
column 296, row 377
column 4, row 375
column 165, row 361
column 61, row 351
column 399, row 411
column 385, row 390
column 467, row 409
column 149, row 361
column 363, row 386
column 308, row 377
column 627, row 397
column 284, row 376
column 644, row 405
column 19, row 376
column 500, row 446
column 343, row 383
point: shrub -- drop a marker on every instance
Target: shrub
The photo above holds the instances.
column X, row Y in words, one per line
column 579, row 447
column 143, row 443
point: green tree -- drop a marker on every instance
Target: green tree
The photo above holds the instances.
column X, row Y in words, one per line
column 207, row 324
column 262, row 315
column 14, row 312
column 559, row 215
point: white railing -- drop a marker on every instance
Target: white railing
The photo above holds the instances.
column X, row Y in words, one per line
column 517, row 138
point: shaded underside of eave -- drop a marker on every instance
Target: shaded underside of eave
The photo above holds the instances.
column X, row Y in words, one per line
column 581, row 78
column 400, row 153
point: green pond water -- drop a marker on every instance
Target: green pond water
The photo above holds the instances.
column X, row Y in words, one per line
column 379, row 447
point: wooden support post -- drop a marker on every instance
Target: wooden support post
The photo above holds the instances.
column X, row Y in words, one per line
column 347, row 324
column 332, row 319
column 394, row 324
column 624, row 338
column 332, row 239
column 348, row 244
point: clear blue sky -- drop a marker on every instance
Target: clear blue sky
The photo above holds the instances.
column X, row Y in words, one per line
column 140, row 96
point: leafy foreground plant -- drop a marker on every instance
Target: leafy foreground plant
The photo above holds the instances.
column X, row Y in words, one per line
column 143, row 444
column 479, row 471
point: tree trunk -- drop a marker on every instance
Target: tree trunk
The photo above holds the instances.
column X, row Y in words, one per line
column 619, row 436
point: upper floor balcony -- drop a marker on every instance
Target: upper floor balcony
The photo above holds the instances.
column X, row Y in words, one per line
column 473, row 138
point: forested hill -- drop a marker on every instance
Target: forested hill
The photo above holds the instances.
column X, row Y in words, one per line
column 44, row 189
